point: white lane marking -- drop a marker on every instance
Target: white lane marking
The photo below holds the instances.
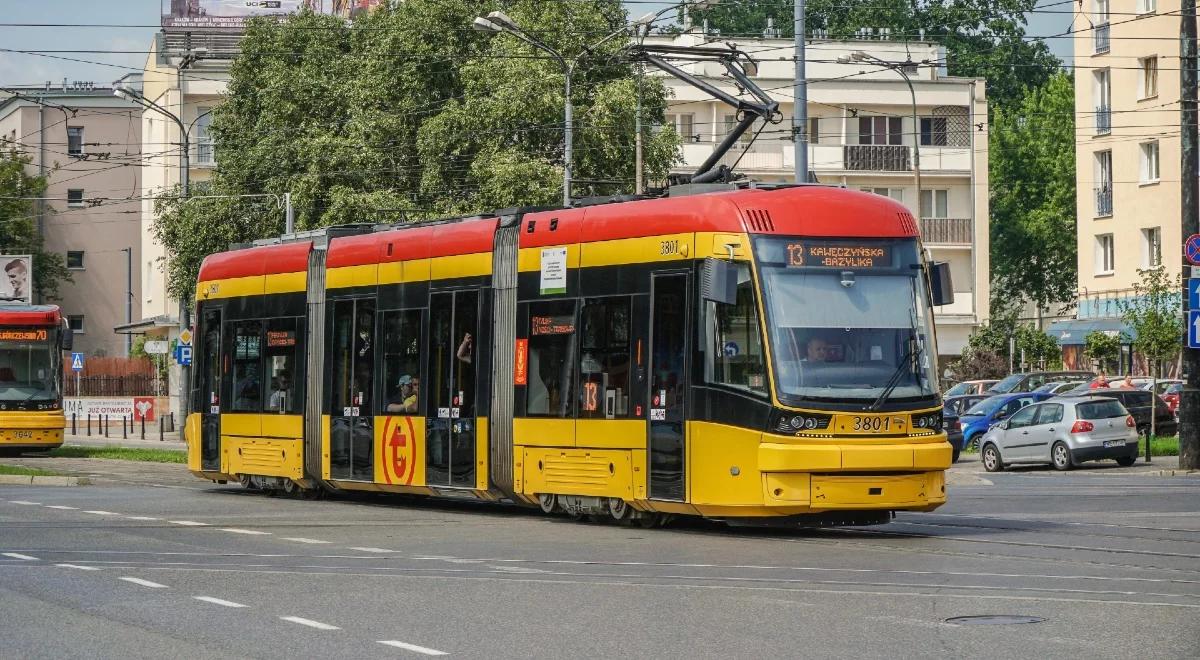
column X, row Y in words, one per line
column 26, row 503
column 142, row 518
column 77, row 566
column 376, row 550
column 61, row 507
column 412, row 647
column 300, row 539
column 102, row 513
column 235, row 530
column 310, row 623
column 219, row 601
column 17, row 555
column 144, row 583
column 188, row 523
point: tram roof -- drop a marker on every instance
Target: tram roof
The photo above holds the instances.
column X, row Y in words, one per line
column 21, row 314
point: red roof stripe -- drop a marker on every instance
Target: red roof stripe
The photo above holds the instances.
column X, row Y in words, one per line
column 37, row 315
column 266, row 260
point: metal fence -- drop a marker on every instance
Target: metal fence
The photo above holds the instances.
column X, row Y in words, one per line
column 1100, row 38
column 1103, row 119
column 1104, row 201
column 131, row 385
column 877, row 157
column 955, row 231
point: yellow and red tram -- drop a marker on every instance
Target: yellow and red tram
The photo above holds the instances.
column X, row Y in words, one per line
column 32, row 339
column 745, row 354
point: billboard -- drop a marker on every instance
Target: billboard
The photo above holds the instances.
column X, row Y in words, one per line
column 232, row 14
column 16, row 282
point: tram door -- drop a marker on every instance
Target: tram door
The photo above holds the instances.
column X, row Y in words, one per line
column 207, row 400
column 453, row 364
column 352, row 373
column 668, row 386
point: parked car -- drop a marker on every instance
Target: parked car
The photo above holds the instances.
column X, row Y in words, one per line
column 1171, row 396
column 952, row 410
column 1033, row 380
column 1058, row 387
column 970, row 387
column 981, row 416
column 1137, row 402
column 1063, row 432
column 958, row 405
column 1163, row 385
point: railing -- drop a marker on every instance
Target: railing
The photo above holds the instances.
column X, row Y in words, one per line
column 1104, row 201
column 202, row 154
column 954, row 231
column 761, row 155
column 135, row 385
column 1103, row 119
column 877, row 157
column 1100, row 38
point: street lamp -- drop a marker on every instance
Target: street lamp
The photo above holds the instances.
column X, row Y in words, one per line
column 498, row 21
column 898, row 67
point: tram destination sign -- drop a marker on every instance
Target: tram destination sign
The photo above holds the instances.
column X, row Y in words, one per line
column 23, row 335
column 809, row 254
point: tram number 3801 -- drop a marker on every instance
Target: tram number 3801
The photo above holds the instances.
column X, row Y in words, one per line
column 669, row 247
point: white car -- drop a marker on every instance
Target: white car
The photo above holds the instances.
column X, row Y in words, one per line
column 1063, row 431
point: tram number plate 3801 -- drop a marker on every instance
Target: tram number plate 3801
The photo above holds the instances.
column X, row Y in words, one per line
column 870, row 424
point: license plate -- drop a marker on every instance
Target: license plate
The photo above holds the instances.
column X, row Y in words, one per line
column 871, row 424
column 1114, row 443
column 12, row 436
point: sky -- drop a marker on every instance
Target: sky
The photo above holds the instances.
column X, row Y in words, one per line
column 124, row 47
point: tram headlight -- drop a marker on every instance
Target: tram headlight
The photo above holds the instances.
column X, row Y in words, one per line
column 931, row 421
column 791, row 423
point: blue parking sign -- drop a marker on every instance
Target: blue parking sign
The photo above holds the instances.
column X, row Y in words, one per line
column 1193, row 286
column 1194, row 328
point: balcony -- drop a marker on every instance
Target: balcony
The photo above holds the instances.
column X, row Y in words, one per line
column 1103, row 120
column 203, row 154
column 1104, row 206
column 1100, row 38
column 947, row 231
column 876, row 158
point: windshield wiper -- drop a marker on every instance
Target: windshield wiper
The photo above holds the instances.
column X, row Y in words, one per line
column 892, row 382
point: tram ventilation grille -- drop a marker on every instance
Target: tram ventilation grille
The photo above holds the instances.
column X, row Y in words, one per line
column 759, row 220
column 907, row 223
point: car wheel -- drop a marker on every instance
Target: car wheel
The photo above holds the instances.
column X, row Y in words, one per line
column 1126, row 461
column 955, row 455
column 1060, row 454
column 991, row 458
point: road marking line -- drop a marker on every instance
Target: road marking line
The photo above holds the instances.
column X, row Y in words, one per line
column 376, row 550
column 102, row 513
column 310, row 623
column 143, row 518
column 26, row 503
column 144, row 583
column 17, row 555
column 412, row 647
column 299, row 539
column 188, row 523
column 219, row 601
column 235, row 530
column 61, row 507
column 82, row 568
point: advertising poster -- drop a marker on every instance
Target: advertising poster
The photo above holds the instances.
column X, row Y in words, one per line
column 232, row 14
column 16, row 283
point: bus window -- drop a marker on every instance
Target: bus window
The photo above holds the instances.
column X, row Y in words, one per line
column 402, row 362
column 735, row 352
column 284, row 351
column 246, row 350
column 551, row 357
column 604, row 358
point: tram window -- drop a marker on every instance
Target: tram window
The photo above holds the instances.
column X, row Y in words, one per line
column 284, row 350
column 352, row 356
column 604, row 358
column 246, row 353
column 551, row 358
column 402, row 361
column 735, row 351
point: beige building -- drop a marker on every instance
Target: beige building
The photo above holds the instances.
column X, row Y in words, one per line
column 88, row 143
column 1127, row 158
column 862, row 136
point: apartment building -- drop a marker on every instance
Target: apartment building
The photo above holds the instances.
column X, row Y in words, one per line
column 1127, row 160
column 862, row 135
column 88, row 144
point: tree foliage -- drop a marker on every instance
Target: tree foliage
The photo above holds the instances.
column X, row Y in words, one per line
column 18, row 223
column 989, row 346
column 408, row 113
column 1102, row 347
column 1153, row 315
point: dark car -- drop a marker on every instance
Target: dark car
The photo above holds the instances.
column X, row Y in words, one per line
column 1137, row 402
column 952, row 408
column 1031, row 381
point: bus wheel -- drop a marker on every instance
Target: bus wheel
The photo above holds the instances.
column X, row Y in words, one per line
column 548, row 502
column 619, row 509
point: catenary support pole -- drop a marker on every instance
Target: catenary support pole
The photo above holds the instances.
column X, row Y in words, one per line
column 800, row 95
column 1189, row 398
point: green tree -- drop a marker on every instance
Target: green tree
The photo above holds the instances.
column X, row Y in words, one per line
column 18, row 228
column 1153, row 313
column 1036, row 349
column 408, row 113
column 1102, row 347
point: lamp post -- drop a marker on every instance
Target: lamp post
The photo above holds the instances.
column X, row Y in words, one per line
column 861, row 56
column 498, row 21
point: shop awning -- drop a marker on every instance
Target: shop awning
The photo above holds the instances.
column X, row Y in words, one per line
column 1075, row 331
column 147, row 325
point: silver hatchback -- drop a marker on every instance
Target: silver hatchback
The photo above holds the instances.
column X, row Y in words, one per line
column 1063, row 431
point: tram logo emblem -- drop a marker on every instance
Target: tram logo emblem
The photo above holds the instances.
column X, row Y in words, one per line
column 399, row 450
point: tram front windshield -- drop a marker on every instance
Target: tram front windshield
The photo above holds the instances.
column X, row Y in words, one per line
column 27, row 367
column 848, row 320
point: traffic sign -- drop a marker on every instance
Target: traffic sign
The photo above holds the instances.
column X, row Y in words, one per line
column 183, row 355
column 77, row 362
column 1193, row 286
column 1191, row 249
column 157, row 347
column 1194, row 328
column 185, row 336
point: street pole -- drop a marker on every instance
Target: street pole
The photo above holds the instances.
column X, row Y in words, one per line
column 568, row 134
column 800, row 98
column 916, row 139
column 289, row 214
column 1189, row 398
column 638, row 184
column 128, row 298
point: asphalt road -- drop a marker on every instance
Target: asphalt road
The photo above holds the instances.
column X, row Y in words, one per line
column 188, row 569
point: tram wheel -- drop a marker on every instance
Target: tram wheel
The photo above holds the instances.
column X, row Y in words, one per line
column 246, row 482
column 649, row 520
column 619, row 509
column 289, row 487
column 548, row 502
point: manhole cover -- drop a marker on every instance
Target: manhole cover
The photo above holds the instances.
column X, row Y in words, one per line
column 993, row 620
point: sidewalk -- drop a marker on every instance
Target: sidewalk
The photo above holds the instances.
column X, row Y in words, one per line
column 1165, row 466
column 169, row 441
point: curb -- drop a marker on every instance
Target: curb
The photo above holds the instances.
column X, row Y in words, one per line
column 31, row 480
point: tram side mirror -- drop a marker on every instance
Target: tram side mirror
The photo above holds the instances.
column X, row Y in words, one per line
column 718, row 281
column 941, row 288
column 68, row 338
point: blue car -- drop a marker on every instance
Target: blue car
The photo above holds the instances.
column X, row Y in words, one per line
column 994, row 409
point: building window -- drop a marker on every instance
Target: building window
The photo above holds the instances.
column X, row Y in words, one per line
column 1100, row 35
column 204, row 142
column 1147, row 6
column 1151, row 247
column 75, row 197
column 879, row 130
column 933, row 131
column 1103, row 190
column 730, row 122
column 1147, row 77
column 1149, row 157
column 74, row 140
column 75, row 259
column 934, row 203
column 814, row 130
column 895, row 193
column 1102, row 93
column 75, row 322
column 1104, row 254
